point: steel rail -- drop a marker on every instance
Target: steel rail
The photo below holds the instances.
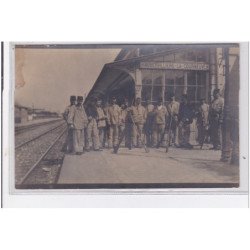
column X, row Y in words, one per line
column 22, row 129
column 37, row 137
column 42, row 157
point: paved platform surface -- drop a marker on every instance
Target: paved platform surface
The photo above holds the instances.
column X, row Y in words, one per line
column 136, row 166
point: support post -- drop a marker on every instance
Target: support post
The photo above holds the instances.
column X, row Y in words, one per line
column 226, row 125
column 138, row 83
column 163, row 86
column 185, row 83
column 213, row 71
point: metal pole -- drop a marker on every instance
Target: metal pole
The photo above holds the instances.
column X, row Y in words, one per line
column 226, row 140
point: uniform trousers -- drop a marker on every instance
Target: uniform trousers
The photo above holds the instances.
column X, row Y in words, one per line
column 158, row 134
column 137, row 129
column 149, row 132
column 125, row 131
column 184, row 134
column 201, row 133
column 215, row 133
column 92, row 135
column 69, row 142
column 173, row 131
column 78, row 139
column 113, row 135
column 102, row 138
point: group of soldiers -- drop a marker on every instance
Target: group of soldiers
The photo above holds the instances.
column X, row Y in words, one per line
column 96, row 126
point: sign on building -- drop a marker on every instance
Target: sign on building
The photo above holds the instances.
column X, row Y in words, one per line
column 175, row 65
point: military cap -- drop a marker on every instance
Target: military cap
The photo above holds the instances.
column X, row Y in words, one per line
column 79, row 98
column 72, row 98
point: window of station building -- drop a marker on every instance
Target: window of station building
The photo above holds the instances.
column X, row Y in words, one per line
column 174, row 84
column 146, row 85
column 196, row 82
column 157, row 86
column 177, row 82
column 151, row 85
column 180, row 82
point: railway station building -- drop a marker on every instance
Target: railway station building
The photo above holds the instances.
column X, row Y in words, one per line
column 153, row 71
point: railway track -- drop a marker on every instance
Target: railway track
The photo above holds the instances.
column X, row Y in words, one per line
column 22, row 129
column 31, row 153
column 38, row 136
column 28, row 135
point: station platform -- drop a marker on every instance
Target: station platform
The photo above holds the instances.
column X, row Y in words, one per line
column 136, row 168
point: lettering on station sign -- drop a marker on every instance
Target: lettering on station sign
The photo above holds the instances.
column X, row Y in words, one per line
column 175, row 65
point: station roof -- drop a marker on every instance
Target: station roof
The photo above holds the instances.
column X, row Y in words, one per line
column 112, row 76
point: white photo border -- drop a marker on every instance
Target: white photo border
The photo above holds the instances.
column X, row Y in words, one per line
column 146, row 197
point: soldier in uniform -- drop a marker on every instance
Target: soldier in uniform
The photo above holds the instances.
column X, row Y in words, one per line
column 215, row 119
column 106, row 129
column 128, row 125
column 92, row 130
column 138, row 116
column 101, row 122
column 159, row 125
column 69, row 147
column 185, row 119
column 122, row 122
column 113, row 115
column 77, row 119
column 173, row 111
column 202, row 121
column 148, row 127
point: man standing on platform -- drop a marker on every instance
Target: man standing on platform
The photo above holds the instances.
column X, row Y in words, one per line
column 113, row 115
column 101, row 122
column 77, row 119
column 122, row 122
column 173, row 111
column 92, row 130
column 159, row 124
column 215, row 119
column 148, row 127
column 185, row 119
column 138, row 114
column 68, row 146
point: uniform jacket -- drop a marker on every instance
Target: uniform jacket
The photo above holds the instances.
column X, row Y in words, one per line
column 150, row 108
column 160, row 115
column 101, row 118
column 217, row 105
column 216, row 110
column 123, row 116
column 78, row 117
column 149, row 115
column 113, row 114
column 91, row 111
column 203, row 113
column 139, row 114
column 66, row 112
column 173, row 108
column 186, row 113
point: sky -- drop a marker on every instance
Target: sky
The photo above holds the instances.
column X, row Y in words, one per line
column 46, row 78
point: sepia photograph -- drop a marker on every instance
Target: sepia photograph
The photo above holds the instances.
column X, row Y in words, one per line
column 93, row 116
